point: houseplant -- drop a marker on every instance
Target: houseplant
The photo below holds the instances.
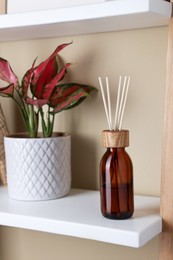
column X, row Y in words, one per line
column 40, row 97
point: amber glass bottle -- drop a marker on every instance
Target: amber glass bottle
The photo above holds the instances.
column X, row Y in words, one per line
column 116, row 176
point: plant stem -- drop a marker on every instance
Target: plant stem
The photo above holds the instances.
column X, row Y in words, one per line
column 47, row 126
column 33, row 124
column 29, row 115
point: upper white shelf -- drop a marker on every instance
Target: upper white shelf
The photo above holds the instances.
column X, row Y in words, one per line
column 79, row 215
column 101, row 17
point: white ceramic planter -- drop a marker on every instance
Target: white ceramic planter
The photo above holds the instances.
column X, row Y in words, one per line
column 38, row 168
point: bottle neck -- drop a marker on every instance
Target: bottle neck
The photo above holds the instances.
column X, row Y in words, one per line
column 113, row 149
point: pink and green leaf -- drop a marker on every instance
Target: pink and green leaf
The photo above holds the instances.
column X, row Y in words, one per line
column 42, row 65
column 70, row 101
column 49, row 88
column 27, row 79
column 39, row 82
column 45, row 72
column 7, row 91
column 62, row 91
column 6, row 72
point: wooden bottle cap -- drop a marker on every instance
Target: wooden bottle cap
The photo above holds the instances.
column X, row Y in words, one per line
column 115, row 139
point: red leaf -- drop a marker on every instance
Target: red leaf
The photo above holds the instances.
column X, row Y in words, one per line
column 69, row 101
column 26, row 80
column 6, row 72
column 45, row 72
column 49, row 88
column 43, row 64
column 44, row 78
column 7, row 91
column 62, row 91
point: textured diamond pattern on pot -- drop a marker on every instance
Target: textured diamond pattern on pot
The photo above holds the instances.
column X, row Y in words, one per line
column 38, row 169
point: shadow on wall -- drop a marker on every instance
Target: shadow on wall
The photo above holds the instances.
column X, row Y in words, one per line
column 12, row 115
column 84, row 167
column 6, row 238
column 18, row 122
column 21, row 244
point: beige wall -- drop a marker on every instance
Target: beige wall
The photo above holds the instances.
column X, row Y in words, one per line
column 139, row 53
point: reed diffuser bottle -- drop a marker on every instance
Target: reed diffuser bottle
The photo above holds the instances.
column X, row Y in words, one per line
column 116, row 169
column 116, row 176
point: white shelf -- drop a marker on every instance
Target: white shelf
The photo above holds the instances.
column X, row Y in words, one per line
column 78, row 215
column 101, row 17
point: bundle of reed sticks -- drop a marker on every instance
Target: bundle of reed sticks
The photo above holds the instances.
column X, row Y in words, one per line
column 123, row 86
